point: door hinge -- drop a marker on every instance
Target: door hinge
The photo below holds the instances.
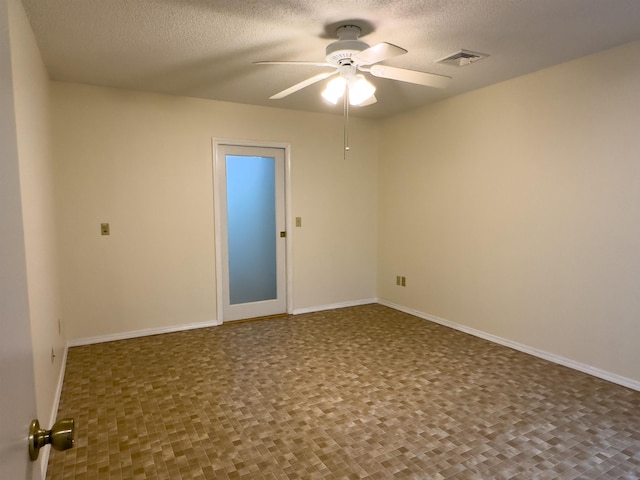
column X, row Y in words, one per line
column 283, row 234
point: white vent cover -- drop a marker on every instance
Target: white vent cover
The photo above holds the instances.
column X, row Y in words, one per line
column 462, row 58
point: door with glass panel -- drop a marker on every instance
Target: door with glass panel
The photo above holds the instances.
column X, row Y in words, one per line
column 251, row 197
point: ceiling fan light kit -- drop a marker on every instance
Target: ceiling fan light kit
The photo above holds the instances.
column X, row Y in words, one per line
column 347, row 56
column 360, row 90
column 335, row 90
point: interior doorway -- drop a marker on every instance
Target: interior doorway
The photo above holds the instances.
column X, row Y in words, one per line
column 252, row 241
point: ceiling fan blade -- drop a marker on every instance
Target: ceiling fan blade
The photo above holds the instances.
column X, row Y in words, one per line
column 410, row 76
column 303, row 84
column 313, row 64
column 378, row 53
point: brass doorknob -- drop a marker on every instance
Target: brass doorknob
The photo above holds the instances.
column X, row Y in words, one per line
column 60, row 436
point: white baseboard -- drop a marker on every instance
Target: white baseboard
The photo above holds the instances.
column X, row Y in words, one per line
column 588, row 369
column 320, row 308
column 566, row 362
column 139, row 333
column 177, row 328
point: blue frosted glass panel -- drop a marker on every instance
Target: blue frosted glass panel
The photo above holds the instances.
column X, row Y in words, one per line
column 251, row 224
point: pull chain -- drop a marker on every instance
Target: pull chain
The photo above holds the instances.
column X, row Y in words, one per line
column 346, row 122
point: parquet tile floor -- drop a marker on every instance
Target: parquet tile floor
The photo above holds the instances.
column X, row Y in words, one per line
column 356, row 393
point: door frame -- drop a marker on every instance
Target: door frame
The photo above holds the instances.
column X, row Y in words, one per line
column 217, row 217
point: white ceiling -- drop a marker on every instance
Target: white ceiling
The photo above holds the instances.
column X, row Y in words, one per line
column 206, row 48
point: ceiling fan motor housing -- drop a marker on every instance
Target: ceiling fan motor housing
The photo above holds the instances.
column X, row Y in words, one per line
column 347, row 45
column 342, row 50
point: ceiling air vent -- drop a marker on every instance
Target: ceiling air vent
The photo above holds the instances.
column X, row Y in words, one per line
column 462, row 58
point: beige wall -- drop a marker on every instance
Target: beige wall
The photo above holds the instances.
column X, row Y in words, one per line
column 31, row 89
column 515, row 210
column 143, row 163
column 511, row 210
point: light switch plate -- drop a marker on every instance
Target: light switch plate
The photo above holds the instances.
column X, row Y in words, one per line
column 104, row 229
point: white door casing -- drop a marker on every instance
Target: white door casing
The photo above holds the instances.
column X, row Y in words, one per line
column 227, row 311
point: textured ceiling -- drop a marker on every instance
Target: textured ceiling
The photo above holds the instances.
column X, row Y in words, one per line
column 206, row 48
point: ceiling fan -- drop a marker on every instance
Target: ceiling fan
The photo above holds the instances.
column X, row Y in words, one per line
column 348, row 56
